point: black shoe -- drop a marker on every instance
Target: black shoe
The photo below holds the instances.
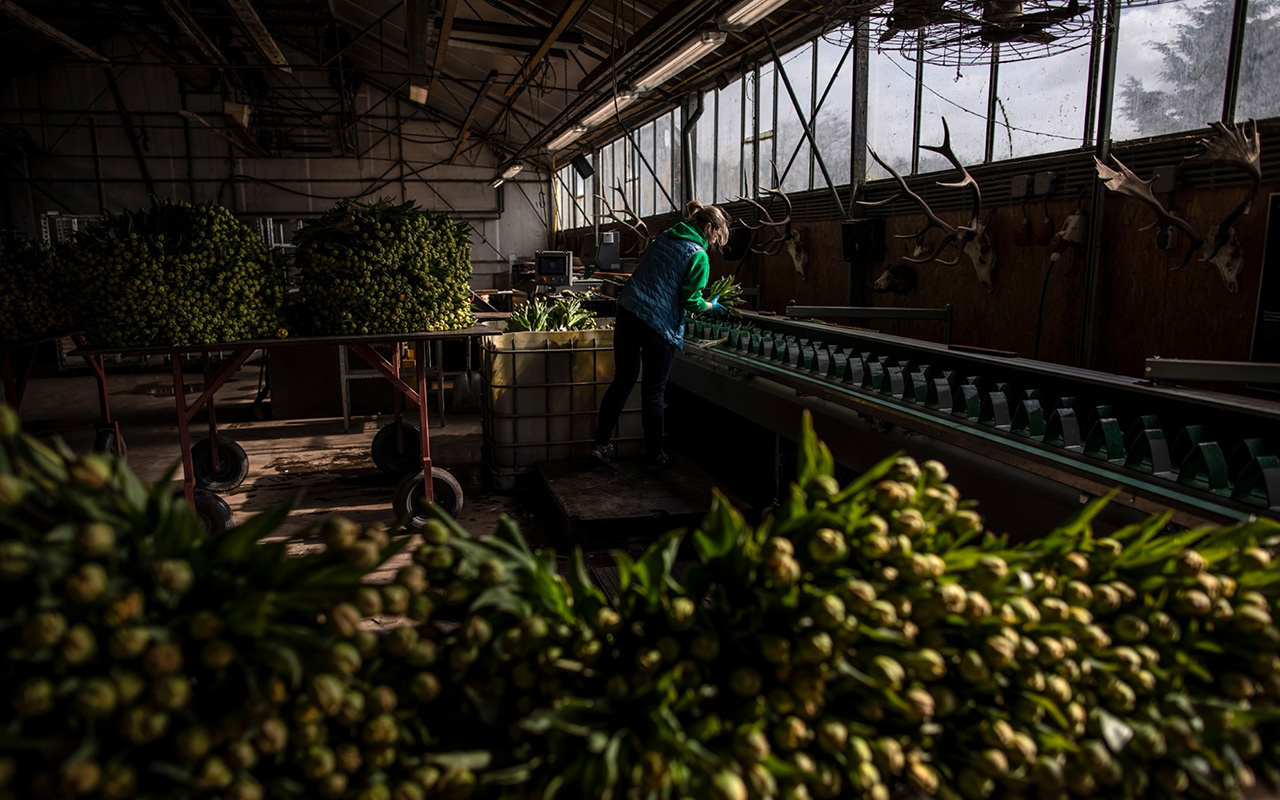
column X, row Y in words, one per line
column 602, row 452
column 658, row 462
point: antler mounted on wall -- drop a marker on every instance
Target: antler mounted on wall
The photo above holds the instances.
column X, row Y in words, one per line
column 1237, row 146
column 637, row 228
column 970, row 240
column 780, row 234
column 781, row 228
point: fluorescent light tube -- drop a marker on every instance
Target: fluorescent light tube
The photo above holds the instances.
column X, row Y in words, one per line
column 609, row 108
column 498, row 181
column 747, row 13
column 694, row 49
column 567, row 138
column 512, row 171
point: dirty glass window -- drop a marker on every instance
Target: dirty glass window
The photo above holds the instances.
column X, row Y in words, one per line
column 729, row 141
column 1172, row 67
column 1042, row 105
column 704, row 151
column 765, row 139
column 793, row 148
column 960, row 97
column 891, row 92
column 1258, row 89
column 833, row 125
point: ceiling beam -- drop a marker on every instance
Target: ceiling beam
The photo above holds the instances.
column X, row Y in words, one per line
column 562, row 22
column 236, row 137
column 465, row 133
column 31, row 21
column 442, row 41
column 194, row 32
column 418, row 13
column 252, row 24
column 200, row 77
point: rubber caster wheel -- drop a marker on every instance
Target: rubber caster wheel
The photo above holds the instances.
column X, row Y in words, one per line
column 408, row 501
column 107, row 442
column 233, row 465
column 388, row 455
column 214, row 513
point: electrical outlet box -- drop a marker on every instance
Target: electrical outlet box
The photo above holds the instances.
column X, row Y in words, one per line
column 1046, row 182
column 1020, row 186
column 1164, row 179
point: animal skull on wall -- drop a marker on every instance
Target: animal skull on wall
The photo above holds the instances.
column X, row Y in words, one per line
column 795, row 247
column 970, row 240
column 1238, row 146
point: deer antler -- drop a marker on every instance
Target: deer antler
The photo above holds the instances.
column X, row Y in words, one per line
column 933, row 221
column 1123, row 181
column 782, row 227
column 1236, row 146
column 638, row 228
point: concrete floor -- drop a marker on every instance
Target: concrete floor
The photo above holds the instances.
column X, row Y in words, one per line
column 311, row 463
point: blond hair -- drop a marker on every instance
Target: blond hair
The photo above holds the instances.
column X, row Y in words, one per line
column 711, row 220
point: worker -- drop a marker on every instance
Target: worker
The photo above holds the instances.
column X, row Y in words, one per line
column 650, row 326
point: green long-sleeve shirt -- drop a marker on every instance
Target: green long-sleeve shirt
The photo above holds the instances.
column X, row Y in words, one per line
column 699, row 268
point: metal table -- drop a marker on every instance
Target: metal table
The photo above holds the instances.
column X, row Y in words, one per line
column 221, row 465
column 17, row 359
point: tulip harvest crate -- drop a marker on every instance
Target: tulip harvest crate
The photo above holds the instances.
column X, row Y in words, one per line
column 542, row 392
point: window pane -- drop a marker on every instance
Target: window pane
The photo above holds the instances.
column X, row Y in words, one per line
column 1026, row 124
column 662, row 163
column 728, row 182
column 604, row 177
column 704, row 154
column 961, row 98
column 1259, row 91
column 764, row 152
column 644, row 140
column 677, row 156
column 891, row 92
column 1172, row 67
column 793, row 148
column 580, row 194
column 564, row 213
column 834, row 125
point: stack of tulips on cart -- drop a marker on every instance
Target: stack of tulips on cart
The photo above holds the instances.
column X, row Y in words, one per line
column 867, row 640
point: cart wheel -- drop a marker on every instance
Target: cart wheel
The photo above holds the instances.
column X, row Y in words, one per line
column 233, row 465
column 407, row 505
column 106, row 442
column 389, row 458
column 213, row 512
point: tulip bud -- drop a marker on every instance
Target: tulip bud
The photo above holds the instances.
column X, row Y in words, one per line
column 34, row 697
column 364, row 555
column 1190, row 563
column 727, row 785
column 344, row 658
column 827, row 546
column 171, row 692
column 86, row 583
column 829, row 612
column 1255, row 559
column 1075, row 565
column 681, row 613
column 16, row 558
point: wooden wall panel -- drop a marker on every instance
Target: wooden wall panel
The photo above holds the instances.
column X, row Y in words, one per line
column 1145, row 306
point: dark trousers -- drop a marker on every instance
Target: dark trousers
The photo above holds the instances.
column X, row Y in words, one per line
column 635, row 344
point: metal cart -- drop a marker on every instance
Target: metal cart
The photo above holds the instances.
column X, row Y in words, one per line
column 17, row 359
column 218, row 464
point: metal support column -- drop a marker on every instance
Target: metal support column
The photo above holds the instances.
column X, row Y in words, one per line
column 1093, row 263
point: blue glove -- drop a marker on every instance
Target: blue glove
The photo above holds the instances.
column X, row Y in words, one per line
column 716, row 309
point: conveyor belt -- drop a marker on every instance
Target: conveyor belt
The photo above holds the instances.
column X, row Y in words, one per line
column 1209, row 456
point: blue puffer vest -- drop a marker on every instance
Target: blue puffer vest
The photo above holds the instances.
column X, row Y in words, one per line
column 653, row 293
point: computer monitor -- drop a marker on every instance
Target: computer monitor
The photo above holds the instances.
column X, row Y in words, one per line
column 553, row 268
